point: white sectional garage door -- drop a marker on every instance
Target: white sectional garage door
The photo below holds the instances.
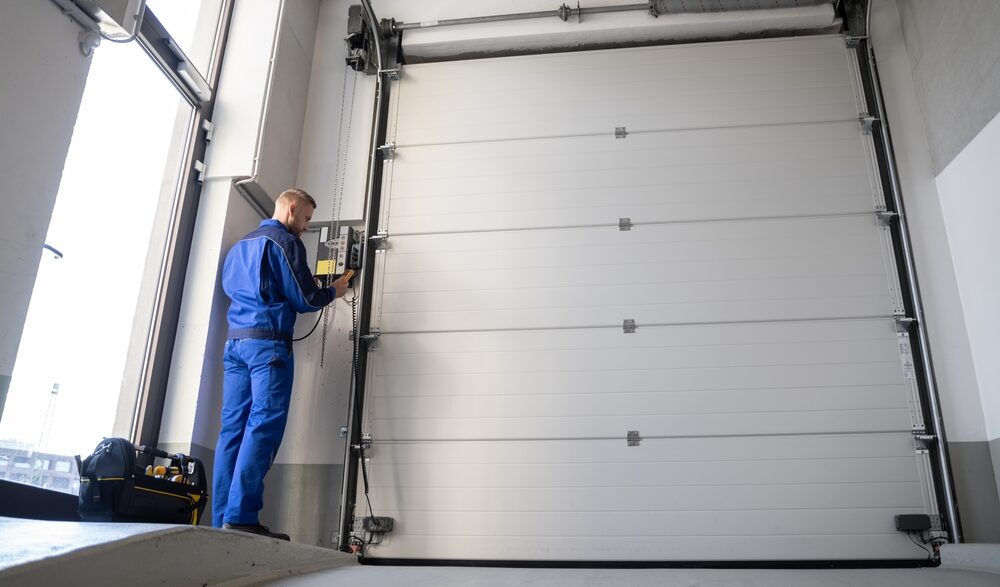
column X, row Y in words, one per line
column 734, row 219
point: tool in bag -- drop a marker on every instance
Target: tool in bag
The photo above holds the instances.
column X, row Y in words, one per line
column 113, row 488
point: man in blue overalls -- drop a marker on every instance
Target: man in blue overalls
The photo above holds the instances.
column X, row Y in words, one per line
column 267, row 277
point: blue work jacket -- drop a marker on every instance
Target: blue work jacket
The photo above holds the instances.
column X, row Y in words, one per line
column 267, row 277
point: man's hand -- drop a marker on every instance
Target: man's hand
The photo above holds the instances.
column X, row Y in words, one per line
column 341, row 285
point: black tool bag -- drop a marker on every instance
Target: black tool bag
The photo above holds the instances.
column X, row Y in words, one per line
column 114, row 489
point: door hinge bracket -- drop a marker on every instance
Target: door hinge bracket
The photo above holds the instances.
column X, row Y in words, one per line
column 867, row 122
column 633, row 438
column 886, row 216
column 620, row 132
column 380, row 241
column 387, row 150
column 922, row 441
column 366, row 442
column 903, row 323
column 370, row 340
column 853, row 41
column 624, row 224
column 628, row 326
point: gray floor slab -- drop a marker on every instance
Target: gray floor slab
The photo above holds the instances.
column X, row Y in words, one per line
column 490, row 577
column 41, row 553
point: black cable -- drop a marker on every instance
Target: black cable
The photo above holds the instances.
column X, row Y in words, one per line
column 313, row 329
column 370, row 538
column 930, row 553
column 364, row 474
column 318, row 319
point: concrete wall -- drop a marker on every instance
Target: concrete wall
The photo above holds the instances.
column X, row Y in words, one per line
column 954, row 54
column 951, row 350
column 44, row 74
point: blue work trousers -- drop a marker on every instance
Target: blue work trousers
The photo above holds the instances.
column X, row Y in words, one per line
column 257, row 389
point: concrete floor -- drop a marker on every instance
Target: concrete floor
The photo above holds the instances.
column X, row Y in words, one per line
column 490, row 577
column 41, row 553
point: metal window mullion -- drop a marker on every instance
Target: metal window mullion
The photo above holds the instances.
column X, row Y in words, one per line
column 154, row 38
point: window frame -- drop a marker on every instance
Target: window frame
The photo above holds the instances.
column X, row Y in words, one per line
column 154, row 371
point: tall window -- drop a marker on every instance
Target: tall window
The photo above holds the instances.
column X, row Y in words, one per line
column 118, row 186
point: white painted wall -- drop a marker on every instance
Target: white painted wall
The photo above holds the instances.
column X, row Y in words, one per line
column 283, row 121
column 44, row 74
column 970, row 200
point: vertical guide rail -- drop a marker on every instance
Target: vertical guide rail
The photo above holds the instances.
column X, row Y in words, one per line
column 373, row 190
column 866, row 58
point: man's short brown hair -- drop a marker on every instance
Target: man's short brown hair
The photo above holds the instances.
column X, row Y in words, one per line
column 296, row 195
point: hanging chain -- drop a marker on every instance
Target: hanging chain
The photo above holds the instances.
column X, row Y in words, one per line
column 338, row 193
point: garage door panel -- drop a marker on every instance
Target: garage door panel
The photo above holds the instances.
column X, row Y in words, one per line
column 709, row 336
column 654, row 113
column 637, row 94
column 898, row 494
column 637, row 70
column 631, row 358
column 616, row 403
column 827, row 234
column 551, row 209
column 692, row 523
column 659, row 176
column 805, row 168
column 547, row 126
column 794, row 142
column 562, row 111
column 737, row 272
column 825, row 375
column 597, row 248
column 581, row 477
column 876, row 546
column 762, row 422
column 783, row 308
column 655, row 451
column 645, row 161
column 734, row 193
column 604, row 248
column 525, row 297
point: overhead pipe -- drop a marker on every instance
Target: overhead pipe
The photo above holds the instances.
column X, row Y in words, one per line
column 563, row 13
